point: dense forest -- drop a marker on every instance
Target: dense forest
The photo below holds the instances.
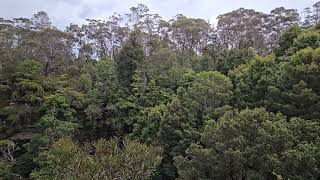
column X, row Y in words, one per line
column 137, row 96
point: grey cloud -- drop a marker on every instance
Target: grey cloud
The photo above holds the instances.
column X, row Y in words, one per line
column 69, row 1
column 85, row 12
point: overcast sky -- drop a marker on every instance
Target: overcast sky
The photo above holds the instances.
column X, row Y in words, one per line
column 64, row 12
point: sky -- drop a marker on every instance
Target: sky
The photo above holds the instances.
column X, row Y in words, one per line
column 64, row 12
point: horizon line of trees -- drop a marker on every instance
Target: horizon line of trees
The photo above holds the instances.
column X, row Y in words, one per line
column 241, row 28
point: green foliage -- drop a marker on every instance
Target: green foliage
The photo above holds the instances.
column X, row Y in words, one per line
column 204, row 92
column 181, row 123
column 147, row 126
column 106, row 77
column 226, row 60
column 5, row 169
column 58, row 119
column 310, row 38
column 146, row 93
column 58, row 106
column 64, row 160
column 111, row 160
column 159, row 63
column 132, row 161
column 99, row 84
column 297, row 92
column 252, row 80
column 28, row 81
column 176, row 132
column 287, row 40
column 294, row 40
column 253, row 144
column 25, row 91
column 130, row 58
column 171, row 80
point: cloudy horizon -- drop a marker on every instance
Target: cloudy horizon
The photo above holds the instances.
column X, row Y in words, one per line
column 64, row 12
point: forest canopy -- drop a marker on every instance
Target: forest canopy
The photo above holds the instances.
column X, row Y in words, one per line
column 137, row 96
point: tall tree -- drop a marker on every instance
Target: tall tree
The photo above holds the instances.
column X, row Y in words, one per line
column 188, row 35
column 50, row 46
column 41, row 20
column 129, row 59
column 21, row 96
column 308, row 19
column 242, row 28
column 316, row 12
column 198, row 99
column 279, row 20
